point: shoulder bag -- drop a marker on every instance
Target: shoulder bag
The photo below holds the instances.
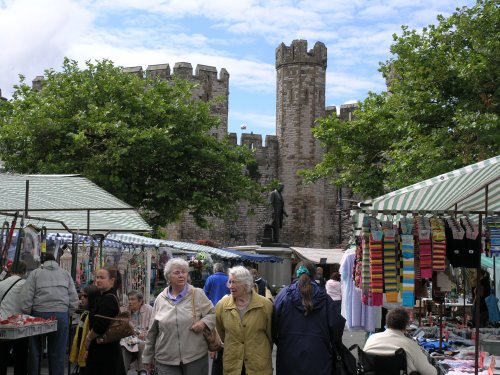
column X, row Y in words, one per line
column 119, row 327
column 211, row 336
column 345, row 362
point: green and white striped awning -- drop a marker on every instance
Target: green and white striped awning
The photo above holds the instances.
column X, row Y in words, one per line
column 470, row 189
column 76, row 202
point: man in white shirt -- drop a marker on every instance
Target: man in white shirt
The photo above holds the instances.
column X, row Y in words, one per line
column 393, row 338
column 10, row 304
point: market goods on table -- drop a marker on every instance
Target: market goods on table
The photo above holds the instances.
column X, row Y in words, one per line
column 19, row 326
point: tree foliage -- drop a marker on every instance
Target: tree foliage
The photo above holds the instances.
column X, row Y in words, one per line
column 441, row 110
column 144, row 141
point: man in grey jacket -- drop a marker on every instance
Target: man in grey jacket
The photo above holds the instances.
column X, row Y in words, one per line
column 48, row 292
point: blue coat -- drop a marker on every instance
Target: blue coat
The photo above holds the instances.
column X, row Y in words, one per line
column 304, row 342
column 216, row 287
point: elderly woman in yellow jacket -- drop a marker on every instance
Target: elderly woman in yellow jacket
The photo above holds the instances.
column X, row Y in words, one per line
column 243, row 320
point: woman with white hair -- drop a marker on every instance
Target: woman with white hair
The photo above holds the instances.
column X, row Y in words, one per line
column 175, row 344
column 244, row 324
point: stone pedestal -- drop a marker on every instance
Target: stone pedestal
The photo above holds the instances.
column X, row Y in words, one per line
column 277, row 274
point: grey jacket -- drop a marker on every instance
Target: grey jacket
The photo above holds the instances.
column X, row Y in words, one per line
column 170, row 339
column 49, row 289
column 11, row 302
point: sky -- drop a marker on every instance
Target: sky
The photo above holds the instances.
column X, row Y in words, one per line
column 239, row 35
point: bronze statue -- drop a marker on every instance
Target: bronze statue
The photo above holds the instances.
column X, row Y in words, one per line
column 276, row 200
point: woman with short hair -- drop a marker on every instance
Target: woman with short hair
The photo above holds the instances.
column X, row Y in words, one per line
column 140, row 317
column 175, row 344
column 244, row 324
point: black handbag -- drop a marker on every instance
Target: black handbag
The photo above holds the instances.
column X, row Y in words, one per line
column 344, row 362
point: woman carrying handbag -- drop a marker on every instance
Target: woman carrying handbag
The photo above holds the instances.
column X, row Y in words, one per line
column 104, row 359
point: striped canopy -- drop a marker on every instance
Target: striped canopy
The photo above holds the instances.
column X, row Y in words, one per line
column 475, row 188
column 134, row 239
column 76, row 202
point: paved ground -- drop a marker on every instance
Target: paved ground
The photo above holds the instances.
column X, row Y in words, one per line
column 349, row 338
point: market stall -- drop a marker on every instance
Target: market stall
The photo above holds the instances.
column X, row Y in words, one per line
column 409, row 236
column 59, row 203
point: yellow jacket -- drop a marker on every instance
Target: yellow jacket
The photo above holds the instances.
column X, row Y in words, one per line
column 78, row 350
column 246, row 340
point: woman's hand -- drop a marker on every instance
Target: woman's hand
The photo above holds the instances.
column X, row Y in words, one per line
column 90, row 336
column 149, row 367
column 213, row 355
column 198, row 326
column 87, row 342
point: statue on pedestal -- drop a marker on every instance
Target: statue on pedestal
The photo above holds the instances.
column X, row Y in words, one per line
column 278, row 204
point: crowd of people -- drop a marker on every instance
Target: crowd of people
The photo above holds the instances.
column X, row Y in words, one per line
column 303, row 320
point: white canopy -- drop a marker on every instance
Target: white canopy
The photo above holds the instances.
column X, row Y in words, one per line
column 315, row 255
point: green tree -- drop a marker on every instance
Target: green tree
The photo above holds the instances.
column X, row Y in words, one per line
column 441, row 110
column 144, row 141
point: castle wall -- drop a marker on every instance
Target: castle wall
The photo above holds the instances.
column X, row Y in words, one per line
column 208, row 86
column 242, row 228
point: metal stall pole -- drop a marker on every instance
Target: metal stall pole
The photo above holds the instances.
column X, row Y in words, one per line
column 463, row 286
column 476, row 307
column 74, row 256
column 147, row 288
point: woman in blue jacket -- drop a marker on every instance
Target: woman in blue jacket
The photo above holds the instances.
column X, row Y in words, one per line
column 306, row 321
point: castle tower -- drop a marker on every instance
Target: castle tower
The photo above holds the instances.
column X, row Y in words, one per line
column 300, row 100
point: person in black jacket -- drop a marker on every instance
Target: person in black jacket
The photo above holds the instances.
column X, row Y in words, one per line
column 104, row 359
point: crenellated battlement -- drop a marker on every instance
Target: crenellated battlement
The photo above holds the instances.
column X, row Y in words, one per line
column 347, row 110
column 254, row 141
column 183, row 70
column 297, row 53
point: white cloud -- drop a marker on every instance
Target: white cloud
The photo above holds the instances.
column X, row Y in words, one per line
column 35, row 35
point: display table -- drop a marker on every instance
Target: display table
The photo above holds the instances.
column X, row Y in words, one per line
column 25, row 326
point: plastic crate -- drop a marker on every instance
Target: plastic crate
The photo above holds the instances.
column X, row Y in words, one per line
column 18, row 332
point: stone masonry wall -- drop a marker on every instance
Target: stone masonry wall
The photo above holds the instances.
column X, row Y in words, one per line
column 207, row 86
column 242, row 228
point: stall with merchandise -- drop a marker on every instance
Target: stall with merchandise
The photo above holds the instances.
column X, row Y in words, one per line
column 33, row 206
column 428, row 233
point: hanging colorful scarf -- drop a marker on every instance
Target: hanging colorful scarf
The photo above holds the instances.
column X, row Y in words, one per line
column 408, row 270
column 376, row 267
column 390, row 275
column 438, row 244
column 424, row 247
